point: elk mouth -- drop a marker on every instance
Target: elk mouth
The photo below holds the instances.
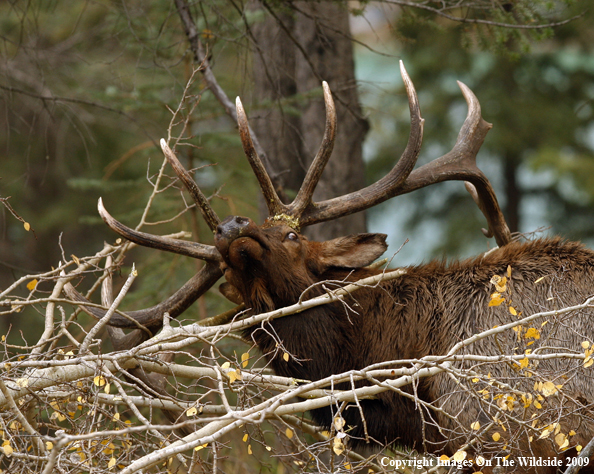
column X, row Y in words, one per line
column 239, row 240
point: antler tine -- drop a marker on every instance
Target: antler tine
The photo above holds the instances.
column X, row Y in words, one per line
column 460, row 164
column 182, row 247
column 386, row 187
column 273, row 202
column 210, row 216
column 305, row 194
column 152, row 318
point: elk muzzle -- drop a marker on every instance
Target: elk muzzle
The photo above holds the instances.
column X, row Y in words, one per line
column 239, row 238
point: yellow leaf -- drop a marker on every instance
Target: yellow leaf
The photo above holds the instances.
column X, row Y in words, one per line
column 198, row 448
column 289, row 433
column 459, row 456
column 532, row 333
column 111, row 463
column 99, row 381
column 496, row 299
column 286, row 356
column 49, row 445
column 7, row 448
column 107, row 388
column 339, row 423
column 509, row 270
column 75, row 259
column 226, row 365
column 545, row 433
column 245, row 357
column 579, row 447
column 585, row 344
column 444, row 458
column 475, row 380
column 588, row 362
column 245, row 438
column 513, row 311
column 192, row 411
column 524, row 362
column 496, row 436
column 27, row 226
column 24, row 382
column 32, row 284
column 475, row 426
column 537, row 404
column 571, row 433
column 548, row 389
column 249, row 449
column 561, row 440
column 234, row 375
column 116, row 417
column 338, row 446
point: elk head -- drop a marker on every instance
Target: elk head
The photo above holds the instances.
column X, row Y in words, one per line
column 257, row 260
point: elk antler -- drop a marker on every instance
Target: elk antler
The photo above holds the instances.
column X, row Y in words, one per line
column 458, row 164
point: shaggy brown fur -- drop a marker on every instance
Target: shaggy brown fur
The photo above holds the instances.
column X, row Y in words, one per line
column 426, row 311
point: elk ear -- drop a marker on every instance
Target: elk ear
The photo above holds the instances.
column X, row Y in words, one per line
column 230, row 292
column 352, row 251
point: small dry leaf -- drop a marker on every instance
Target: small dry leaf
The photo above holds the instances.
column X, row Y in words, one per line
column 513, row 311
column 561, row 440
column 289, row 433
column 532, row 333
column 245, row 437
column 245, row 357
column 27, row 226
column 588, row 361
column 548, row 389
column 444, row 458
column 192, row 411
column 459, row 456
column 509, row 271
column 524, row 362
column 339, row 423
column 7, row 448
column 226, row 365
column 496, row 299
column 75, row 259
column 202, row 446
column 475, row 426
column 249, row 449
column 496, row 436
column 579, row 447
column 545, row 433
column 111, row 463
column 32, row 284
column 338, row 446
column 234, row 375
column 286, row 357
column 585, row 344
column 99, row 380
column 49, row 445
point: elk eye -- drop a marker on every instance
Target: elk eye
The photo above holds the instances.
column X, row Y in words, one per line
column 292, row 236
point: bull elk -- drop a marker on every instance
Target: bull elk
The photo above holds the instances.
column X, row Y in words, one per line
column 425, row 311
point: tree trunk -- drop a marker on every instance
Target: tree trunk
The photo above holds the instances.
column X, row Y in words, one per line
column 294, row 52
